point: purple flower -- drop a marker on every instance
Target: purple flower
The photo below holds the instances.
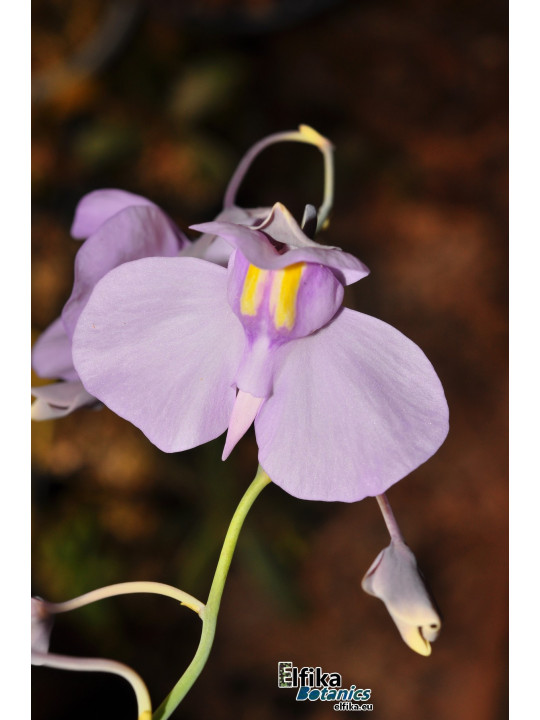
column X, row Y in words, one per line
column 344, row 405
column 122, row 227
column 119, row 227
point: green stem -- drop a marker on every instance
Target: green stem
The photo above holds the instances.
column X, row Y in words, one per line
column 127, row 588
column 210, row 612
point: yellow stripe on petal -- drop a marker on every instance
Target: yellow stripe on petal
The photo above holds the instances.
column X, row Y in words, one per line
column 284, row 293
column 252, row 292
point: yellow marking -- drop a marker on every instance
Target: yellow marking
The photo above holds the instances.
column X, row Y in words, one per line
column 252, row 291
column 313, row 137
column 283, row 295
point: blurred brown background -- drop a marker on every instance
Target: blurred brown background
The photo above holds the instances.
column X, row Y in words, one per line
column 162, row 99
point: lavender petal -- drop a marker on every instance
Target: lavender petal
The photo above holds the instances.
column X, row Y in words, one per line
column 258, row 249
column 134, row 233
column 355, row 407
column 51, row 353
column 98, row 206
column 159, row 345
column 59, row 399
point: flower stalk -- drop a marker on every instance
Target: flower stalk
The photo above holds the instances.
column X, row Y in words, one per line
column 389, row 518
column 304, row 134
column 210, row 612
column 127, row 588
column 42, row 612
column 65, row 662
column 395, row 579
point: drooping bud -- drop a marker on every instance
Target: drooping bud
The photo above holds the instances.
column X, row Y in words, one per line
column 395, row 579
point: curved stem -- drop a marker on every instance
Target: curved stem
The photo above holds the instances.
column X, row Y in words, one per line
column 389, row 518
column 64, row 662
column 210, row 612
column 127, row 588
column 304, row 134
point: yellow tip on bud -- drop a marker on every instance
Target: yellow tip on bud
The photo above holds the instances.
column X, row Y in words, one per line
column 314, row 137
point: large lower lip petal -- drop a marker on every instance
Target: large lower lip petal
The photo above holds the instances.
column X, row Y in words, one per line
column 355, row 407
column 159, row 345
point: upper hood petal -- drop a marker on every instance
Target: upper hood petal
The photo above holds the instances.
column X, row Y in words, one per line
column 280, row 227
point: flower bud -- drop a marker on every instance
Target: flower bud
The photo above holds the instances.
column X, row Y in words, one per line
column 395, row 579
